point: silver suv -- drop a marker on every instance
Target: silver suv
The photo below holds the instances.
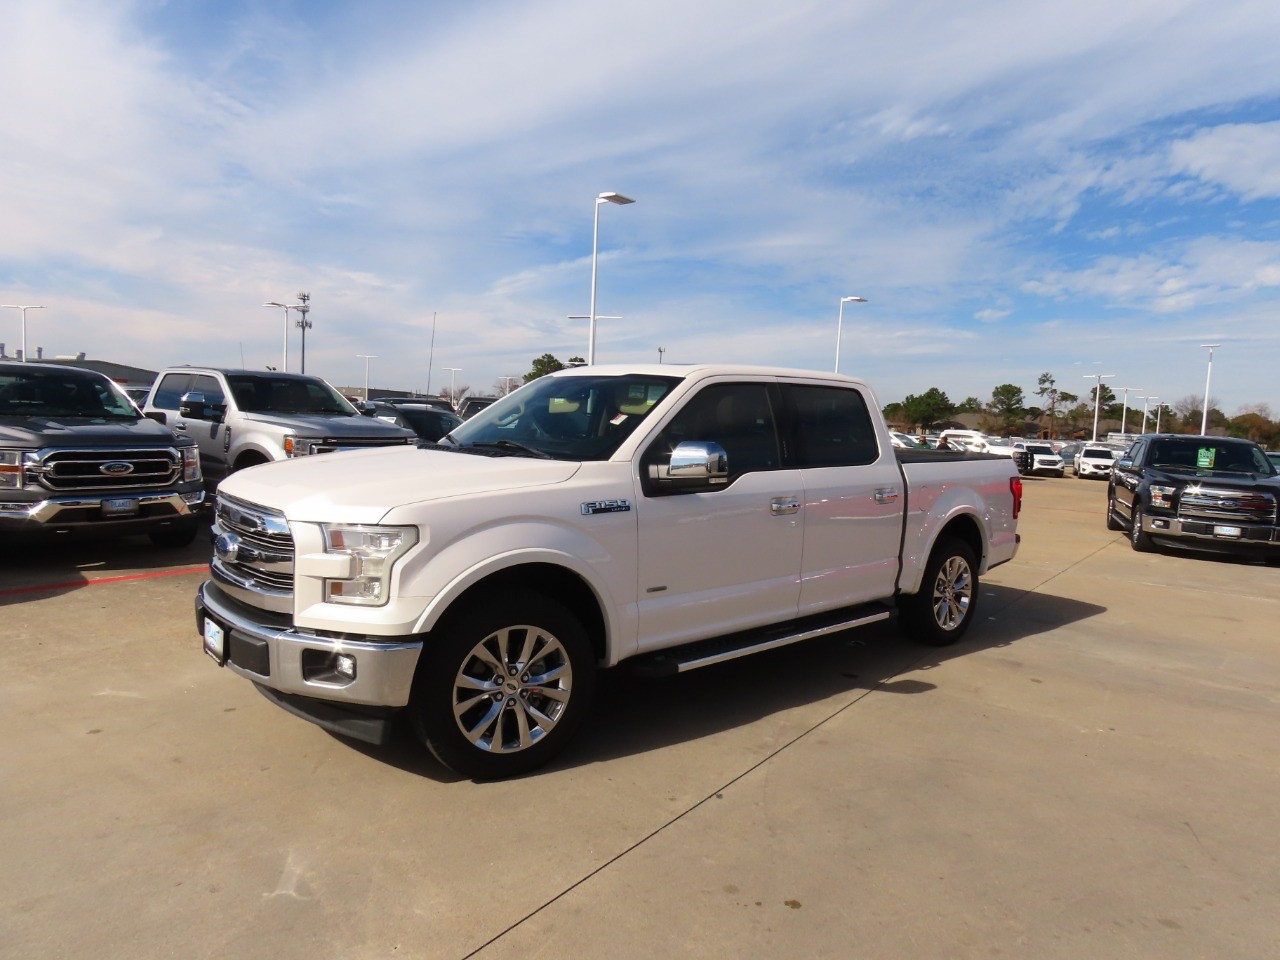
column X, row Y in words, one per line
column 245, row 417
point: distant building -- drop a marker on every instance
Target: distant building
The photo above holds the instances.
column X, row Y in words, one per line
column 121, row 373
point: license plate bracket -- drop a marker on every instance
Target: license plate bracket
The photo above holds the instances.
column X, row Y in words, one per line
column 1223, row 530
column 120, row 507
column 215, row 640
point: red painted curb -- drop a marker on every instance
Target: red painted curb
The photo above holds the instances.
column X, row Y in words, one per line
column 76, row 584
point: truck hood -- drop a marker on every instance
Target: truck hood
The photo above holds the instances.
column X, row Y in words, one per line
column 37, row 432
column 363, row 486
column 1214, row 478
column 329, row 424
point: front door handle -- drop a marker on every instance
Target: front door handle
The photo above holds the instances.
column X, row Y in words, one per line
column 782, row 506
column 887, row 495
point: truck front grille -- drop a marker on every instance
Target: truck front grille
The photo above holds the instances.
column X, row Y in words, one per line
column 336, row 444
column 76, row 471
column 1210, row 503
column 253, row 553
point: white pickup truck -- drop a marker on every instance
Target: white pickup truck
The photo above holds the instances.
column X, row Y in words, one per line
column 670, row 517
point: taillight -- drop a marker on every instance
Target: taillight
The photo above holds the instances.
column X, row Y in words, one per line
column 1015, row 487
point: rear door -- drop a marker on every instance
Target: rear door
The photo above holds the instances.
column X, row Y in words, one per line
column 853, row 497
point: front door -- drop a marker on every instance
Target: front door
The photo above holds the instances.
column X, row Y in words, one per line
column 726, row 559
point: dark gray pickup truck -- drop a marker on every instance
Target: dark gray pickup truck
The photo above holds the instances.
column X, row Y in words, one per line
column 77, row 457
column 1207, row 493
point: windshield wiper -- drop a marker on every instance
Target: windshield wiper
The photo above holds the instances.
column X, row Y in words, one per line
column 505, row 444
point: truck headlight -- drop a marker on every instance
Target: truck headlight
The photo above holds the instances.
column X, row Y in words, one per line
column 191, row 463
column 373, row 551
column 1162, row 496
column 12, row 464
column 299, row 446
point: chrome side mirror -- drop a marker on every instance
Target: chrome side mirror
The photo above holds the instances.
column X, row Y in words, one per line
column 694, row 465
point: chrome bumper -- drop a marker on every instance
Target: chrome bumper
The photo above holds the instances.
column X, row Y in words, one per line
column 1252, row 536
column 49, row 511
column 293, row 660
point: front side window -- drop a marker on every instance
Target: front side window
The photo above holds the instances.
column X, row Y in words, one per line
column 169, row 391
column 738, row 416
column 210, row 388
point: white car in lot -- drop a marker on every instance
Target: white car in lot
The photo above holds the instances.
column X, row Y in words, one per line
column 1043, row 459
column 1095, row 461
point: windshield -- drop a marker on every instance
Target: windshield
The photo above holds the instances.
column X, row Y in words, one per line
column 1203, row 456
column 62, row 393
column 582, row 417
column 1040, row 448
column 1099, row 453
column 263, row 393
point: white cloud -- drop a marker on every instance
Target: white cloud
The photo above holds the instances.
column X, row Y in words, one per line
column 1244, row 158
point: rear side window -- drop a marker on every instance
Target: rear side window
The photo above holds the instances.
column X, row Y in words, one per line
column 169, row 391
column 832, row 427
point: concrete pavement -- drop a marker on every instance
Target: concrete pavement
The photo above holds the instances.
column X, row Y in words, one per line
column 1091, row 773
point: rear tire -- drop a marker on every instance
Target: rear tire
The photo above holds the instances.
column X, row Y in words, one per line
column 940, row 613
column 503, row 684
column 1112, row 522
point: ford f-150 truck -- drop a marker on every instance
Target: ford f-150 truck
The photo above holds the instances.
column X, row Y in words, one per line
column 670, row 517
column 245, row 417
column 76, row 457
column 1216, row 494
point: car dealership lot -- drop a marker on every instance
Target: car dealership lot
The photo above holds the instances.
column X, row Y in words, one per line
column 1092, row 772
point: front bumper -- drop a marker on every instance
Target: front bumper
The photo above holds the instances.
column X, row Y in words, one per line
column 1218, row 536
column 1093, row 470
column 265, row 648
column 88, row 513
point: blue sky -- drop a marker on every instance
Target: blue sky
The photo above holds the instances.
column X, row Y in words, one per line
column 1015, row 187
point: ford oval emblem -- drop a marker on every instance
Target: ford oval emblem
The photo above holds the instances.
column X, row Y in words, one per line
column 116, row 468
column 1229, row 504
column 227, row 547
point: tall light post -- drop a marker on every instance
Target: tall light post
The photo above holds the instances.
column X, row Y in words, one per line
column 1208, row 378
column 284, row 360
column 1159, row 410
column 366, row 357
column 620, row 200
column 303, row 307
column 453, row 390
column 1145, row 402
column 1124, row 416
column 24, row 309
column 1097, row 397
column 840, row 324
column 506, row 384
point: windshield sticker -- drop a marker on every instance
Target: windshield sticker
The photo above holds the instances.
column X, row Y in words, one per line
column 605, row 506
column 1205, row 458
column 619, row 420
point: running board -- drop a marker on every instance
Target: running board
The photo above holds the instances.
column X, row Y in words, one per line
column 704, row 653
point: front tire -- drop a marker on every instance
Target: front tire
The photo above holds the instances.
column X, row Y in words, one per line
column 502, row 685
column 941, row 612
column 1139, row 539
column 1112, row 522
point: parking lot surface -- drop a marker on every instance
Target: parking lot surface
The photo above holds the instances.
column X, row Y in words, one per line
column 1093, row 772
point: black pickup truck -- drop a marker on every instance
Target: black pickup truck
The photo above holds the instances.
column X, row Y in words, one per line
column 77, row 457
column 1206, row 493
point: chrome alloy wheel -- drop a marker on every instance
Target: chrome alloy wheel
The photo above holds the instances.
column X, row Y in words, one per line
column 512, row 689
column 952, row 593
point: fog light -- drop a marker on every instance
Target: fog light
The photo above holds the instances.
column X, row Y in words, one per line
column 344, row 665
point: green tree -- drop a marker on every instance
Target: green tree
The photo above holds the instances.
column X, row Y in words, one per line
column 928, row 408
column 1049, row 393
column 969, row 405
column 1007, row 403
column 542, row 366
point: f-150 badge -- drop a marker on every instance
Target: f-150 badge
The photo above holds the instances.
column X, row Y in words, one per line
column 605, row 506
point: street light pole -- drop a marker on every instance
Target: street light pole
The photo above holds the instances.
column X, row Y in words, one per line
column 303, row 307
column 366, row 357
column 1159, row 410
column 1208, row 378
column 1145, row 402
column 840, row 324
column 595, row 249
column 1124, row 416
column 1097, row 398
column 284, row 360
column 506, row 384
column 24, row 309
column 453, row 391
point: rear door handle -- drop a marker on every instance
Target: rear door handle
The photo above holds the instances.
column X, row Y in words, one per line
column 782, row 506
